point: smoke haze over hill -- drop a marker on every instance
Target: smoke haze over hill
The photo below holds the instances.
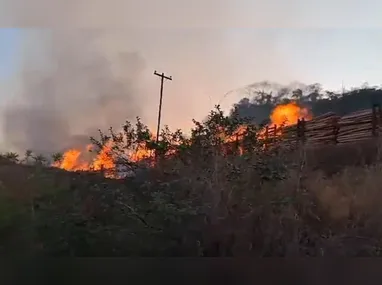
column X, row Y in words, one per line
column 72, row 81
column 78, row 90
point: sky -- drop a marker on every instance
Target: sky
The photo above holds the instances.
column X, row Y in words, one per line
column 332, row 57
column 208, row 47
column 9, row 44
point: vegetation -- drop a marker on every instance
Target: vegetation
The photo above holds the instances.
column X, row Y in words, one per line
column 199, row 197
column 264, row 96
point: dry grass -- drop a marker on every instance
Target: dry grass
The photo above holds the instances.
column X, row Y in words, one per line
column 325, row 207
column 215, row 206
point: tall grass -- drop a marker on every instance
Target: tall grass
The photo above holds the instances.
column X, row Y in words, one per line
column 204, row 200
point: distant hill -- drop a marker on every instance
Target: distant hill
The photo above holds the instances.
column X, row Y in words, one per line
column 261, row 101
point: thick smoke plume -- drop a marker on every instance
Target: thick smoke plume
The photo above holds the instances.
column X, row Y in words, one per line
column 73, row 82
column 80, row 89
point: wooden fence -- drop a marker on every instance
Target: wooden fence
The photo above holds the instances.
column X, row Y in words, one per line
column 329, row 129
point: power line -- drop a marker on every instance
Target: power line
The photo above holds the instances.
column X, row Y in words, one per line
column 163, row 77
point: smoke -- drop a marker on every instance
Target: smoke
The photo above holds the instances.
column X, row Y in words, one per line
column 72, row 82
column 153, row 14
column 77, row 89
column 195, row 14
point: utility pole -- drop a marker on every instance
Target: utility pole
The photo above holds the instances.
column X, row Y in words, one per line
column 163, row 77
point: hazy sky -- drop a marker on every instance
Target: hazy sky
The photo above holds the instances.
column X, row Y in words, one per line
column 209, row 47
column 218, row 60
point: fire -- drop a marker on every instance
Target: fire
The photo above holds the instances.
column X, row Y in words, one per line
column 72, row 161
column 140, row 153
column 281, row 116
column 289, row 114
column 237, row 134
column 77, row 160
column 104, row 160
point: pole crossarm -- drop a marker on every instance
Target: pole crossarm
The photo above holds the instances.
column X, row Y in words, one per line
column 162, row 75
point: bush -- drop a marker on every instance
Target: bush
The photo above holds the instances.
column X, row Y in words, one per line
column 209, row 194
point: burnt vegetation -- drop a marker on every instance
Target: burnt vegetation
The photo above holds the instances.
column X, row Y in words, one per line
column 199, row 196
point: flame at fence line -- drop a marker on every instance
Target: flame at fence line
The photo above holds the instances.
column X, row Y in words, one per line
column 282, row 116
column 289, row 114
column 76, row 160
column 356, row 126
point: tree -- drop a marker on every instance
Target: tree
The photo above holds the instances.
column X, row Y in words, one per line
column 297, row 95
column 27, row 156
column 314, row 92
column 39, row 159
column 320, row 101
column 57, row 157
column 12, row 157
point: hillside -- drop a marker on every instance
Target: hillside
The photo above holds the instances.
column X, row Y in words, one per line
column 260, row 103
column 198, row 198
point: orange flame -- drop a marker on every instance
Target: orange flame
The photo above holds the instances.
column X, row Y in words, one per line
column 75, row 160
column 71, row 161
column 289, row 114
column 104, row 160
column 140, row 153
column 282, row 115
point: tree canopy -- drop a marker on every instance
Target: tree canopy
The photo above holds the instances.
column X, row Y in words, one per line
column 261, row 98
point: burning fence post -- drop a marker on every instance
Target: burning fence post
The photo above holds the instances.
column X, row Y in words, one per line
column 336, row 130
column 379, row 111
column 102, row 170
column 300, row 131
column 303, row 129
column 379, row 125
column 376, row 125
column 237, row 144
column 266, row 136
column 376, row 119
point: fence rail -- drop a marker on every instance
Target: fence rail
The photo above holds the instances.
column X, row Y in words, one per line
column 330, row 128
column 326, row 129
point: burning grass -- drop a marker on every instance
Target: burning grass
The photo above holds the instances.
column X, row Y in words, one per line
column 139, row 144
column 224, row 207
column 197, row 199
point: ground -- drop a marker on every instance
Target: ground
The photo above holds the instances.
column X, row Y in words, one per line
column 224, row 207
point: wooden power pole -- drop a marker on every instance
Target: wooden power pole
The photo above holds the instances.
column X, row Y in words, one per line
column 163, row 77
